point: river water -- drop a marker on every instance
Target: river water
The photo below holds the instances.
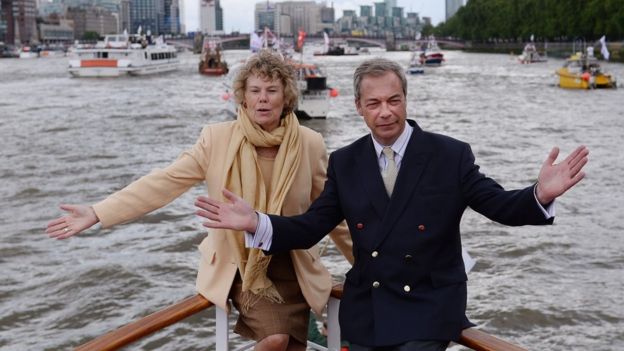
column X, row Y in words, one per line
column 71, row 140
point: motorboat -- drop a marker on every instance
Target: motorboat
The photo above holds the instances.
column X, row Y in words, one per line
column 582, row 71
column 432, row 55
column 314, row 94
column 28, row 52
column 531, row 55
column 417, row 63
column 211, row 63
column 123, row 54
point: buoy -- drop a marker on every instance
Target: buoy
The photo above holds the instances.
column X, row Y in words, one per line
column 225, row 96
column 586, row 76
column 333, row 92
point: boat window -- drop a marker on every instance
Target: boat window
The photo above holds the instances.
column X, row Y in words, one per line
column 154, row 57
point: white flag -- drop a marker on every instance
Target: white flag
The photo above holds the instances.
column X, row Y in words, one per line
column 604, row 51
column 532, row 37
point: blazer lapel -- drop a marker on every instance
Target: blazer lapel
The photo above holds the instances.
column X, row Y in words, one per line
column 371, row 181
column 413, row 164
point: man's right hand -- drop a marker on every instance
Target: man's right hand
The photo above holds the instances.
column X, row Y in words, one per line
column 236, row 214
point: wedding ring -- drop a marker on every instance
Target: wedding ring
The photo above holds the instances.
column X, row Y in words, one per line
column 66, row 229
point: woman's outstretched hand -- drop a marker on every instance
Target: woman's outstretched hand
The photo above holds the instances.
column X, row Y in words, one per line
column 236, row 214
column 77, row 219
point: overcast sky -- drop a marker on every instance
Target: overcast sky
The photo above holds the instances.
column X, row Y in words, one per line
column 238, row 15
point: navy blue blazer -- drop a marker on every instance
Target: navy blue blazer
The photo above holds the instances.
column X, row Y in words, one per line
column 408, row 280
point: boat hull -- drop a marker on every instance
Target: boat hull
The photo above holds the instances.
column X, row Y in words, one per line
column 570, row 80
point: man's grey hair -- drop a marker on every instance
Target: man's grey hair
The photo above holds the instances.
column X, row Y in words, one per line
column 377, row 67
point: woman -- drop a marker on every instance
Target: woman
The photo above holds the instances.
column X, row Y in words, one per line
column 266, row 157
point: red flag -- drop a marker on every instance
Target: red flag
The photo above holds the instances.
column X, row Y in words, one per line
column 300, row 39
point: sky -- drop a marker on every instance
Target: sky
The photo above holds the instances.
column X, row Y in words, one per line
column 238, row 15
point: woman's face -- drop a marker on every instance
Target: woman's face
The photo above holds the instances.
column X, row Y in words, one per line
column 264, row 101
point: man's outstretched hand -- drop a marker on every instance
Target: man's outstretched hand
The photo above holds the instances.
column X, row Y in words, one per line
column 555, row 179
column 236, row 214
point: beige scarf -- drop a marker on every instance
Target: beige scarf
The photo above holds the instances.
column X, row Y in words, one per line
column 243, row 177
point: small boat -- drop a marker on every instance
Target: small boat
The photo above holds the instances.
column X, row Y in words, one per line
column 433, row 56
column 28, row 52
column 417, row 63
column 211, row 63
column 123, row 54
column 530, row 55
column 314, row 94
column 582, row 71
column 333, row 48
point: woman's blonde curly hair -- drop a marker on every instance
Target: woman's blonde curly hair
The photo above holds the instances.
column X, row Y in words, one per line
column 270, row 65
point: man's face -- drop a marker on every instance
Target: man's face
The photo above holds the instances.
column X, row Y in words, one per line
column 382, row 104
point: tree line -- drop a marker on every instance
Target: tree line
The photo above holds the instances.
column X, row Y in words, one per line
column 552, row 20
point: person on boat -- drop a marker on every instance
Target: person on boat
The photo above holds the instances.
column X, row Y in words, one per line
column 402, row 191
column 274, row 163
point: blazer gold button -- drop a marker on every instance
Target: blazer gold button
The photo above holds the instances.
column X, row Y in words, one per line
column 374, row 253
column 376, row 284
column 359, row 226
column 408, row 257
column 421, row 227
column 407, row 288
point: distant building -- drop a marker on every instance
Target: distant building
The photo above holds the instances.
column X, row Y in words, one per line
column 18, row 22
column 92, row 19
column 210, row 16
column 452, row 6
column 171, row 20
column 61, row 33
column 125, row 19
column 148, row 15
column 380, row 9
column 288, row 17
column 366, row 11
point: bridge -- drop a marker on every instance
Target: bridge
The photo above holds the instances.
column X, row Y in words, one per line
column 241, row 41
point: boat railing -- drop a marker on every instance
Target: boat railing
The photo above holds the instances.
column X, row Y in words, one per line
column 471, row 338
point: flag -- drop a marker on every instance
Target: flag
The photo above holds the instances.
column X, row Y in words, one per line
column 300, row 39
column 255, row 42
column 604, row 51
column 326, row 42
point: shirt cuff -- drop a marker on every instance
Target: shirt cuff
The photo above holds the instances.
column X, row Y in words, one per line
column 263, row 237
column 549, row 210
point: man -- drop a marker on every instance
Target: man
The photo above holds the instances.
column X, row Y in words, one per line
column 402, row 191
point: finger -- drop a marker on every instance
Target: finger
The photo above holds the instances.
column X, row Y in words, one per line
column 580, row 154
column 230, row 195
column 552, row 156
column 206, row 214
column 576, row 168
column 68, row 207
column 210, row 205
column 58, row 227
column 56, row 221
column 214, row 225
column 61, row 233
column 577, row 178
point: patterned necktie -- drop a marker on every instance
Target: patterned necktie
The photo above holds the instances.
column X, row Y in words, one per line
column 390, row 174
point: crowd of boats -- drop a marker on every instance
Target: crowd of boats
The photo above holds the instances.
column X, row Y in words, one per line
column 141, row 54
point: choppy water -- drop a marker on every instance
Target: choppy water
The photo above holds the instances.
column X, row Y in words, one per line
column 77, row 140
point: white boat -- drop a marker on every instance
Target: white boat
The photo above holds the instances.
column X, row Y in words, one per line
column 28, row 52
column 314, row 94
column 530, row 54
column 123, row 54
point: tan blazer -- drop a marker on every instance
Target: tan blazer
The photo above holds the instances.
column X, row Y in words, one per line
column 205, row 161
